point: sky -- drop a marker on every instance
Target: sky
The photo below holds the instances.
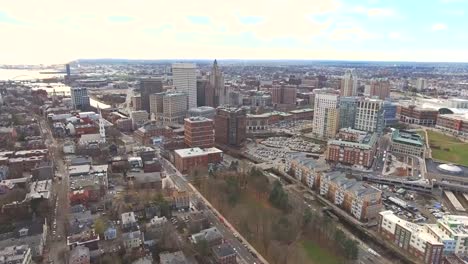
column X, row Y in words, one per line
column 59, row 31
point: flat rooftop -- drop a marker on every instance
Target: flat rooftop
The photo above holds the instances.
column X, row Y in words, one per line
column 407, row 137
column 194, row 152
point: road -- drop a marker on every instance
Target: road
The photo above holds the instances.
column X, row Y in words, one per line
column 57, row 235
column 383, row 144
column 225, row 228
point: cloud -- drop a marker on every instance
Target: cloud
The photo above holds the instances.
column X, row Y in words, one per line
column 351, row 34
column 374, row 12
column 199, row 19
column 394, row 35
column 439, row 27
column 380, row 12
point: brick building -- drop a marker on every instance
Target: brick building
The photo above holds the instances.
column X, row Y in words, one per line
column 453, row 123
column 186, row 159
column 412, row 114
column 199, row 132
column 230, row 126
column 353, row 147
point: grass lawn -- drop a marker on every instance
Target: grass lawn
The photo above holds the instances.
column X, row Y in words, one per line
column 319, row 255
column 448, row 148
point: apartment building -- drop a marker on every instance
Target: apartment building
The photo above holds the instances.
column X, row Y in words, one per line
column 352, row 147
column 370, row 115
column 359, row 199
column 305, row 169
column 326, row 115
column 417, row 240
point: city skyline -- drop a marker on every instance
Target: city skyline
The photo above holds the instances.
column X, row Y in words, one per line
column 309, row 30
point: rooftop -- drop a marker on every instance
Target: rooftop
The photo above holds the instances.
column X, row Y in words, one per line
column 407, row 137
column 194, row 152
column 223, row 250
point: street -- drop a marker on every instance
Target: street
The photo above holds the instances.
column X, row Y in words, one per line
column 57, row 235
column 225, row 228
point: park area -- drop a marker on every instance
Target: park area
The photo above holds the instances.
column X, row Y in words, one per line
column 282, row 229
column 447, row 148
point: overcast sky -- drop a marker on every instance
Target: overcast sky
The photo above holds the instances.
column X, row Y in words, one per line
column 58, row 31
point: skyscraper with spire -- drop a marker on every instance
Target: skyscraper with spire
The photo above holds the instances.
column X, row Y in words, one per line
column 221, row 93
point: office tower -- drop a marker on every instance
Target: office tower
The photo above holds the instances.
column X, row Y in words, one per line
column 79, row 97
column 349, row 84
column 283, row 94
column 139, row 118
column 221, row 92
column 234, row 98
column 67, row 68
column 348, row 107
column 230, row 125
column 421, row 84
column 390, row 111
column 370, row 115
column 169, row 107
column 149, row 86
column 174, row 107
column 184, row 78
column 379, row 88
column 136, row 102
column 199, row 132
column 156, row 104
column 202, row 85
column 325, row 123
column 204, row 111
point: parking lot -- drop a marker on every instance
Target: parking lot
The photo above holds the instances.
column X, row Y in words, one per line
column 293, row 144
column 293, row 127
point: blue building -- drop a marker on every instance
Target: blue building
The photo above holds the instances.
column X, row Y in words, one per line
column 347, row 108
column 390, row 110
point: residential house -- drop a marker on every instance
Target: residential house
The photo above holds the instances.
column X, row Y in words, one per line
column 224, row 254
column 79, row 255
column 132, row 239
column 211, row 235
column 128, row 220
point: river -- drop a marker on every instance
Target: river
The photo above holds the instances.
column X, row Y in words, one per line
column 59, row 88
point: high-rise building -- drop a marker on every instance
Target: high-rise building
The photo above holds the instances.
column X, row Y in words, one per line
column 379, row 88
column 221, row 92
column 390, row 111
column 283, row 94
column 421, row 84
column 184, row 78
column 169, row 107
column 202, row 85
column 349, row 84
column 149, row 86
column 174, row 107
column 199, row 132
column 230, row 126
column 139, row 118
column 156, row 104
column 80, row 98
column 136, row 102
column 325, row 123
column 348, row 107
column 370, row 115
